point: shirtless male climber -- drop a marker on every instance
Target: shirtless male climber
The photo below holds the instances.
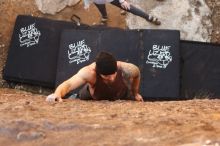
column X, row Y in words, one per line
column 104, row 79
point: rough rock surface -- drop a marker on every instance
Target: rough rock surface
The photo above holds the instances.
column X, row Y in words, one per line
column 27, row 120
column 54, row 6
column 191, row 17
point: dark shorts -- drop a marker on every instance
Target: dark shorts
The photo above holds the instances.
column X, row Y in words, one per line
column 84, row 94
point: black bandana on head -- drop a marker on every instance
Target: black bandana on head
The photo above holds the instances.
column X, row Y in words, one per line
column 106, row 64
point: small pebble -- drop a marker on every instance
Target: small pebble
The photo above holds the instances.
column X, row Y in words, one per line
column 27, row 102
column 29, row 135
column 2, row 45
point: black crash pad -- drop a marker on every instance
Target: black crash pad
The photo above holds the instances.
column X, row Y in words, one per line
column 83, row 46
column 78, row 48
column 200, row 69
column 160, row 65
column 131, row 46
column 32, row 55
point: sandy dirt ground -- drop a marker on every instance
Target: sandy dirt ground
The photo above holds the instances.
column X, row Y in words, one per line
column 26, row 119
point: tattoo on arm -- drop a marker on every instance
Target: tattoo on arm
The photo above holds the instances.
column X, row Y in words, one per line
column 130, row 71
column 131, row 75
